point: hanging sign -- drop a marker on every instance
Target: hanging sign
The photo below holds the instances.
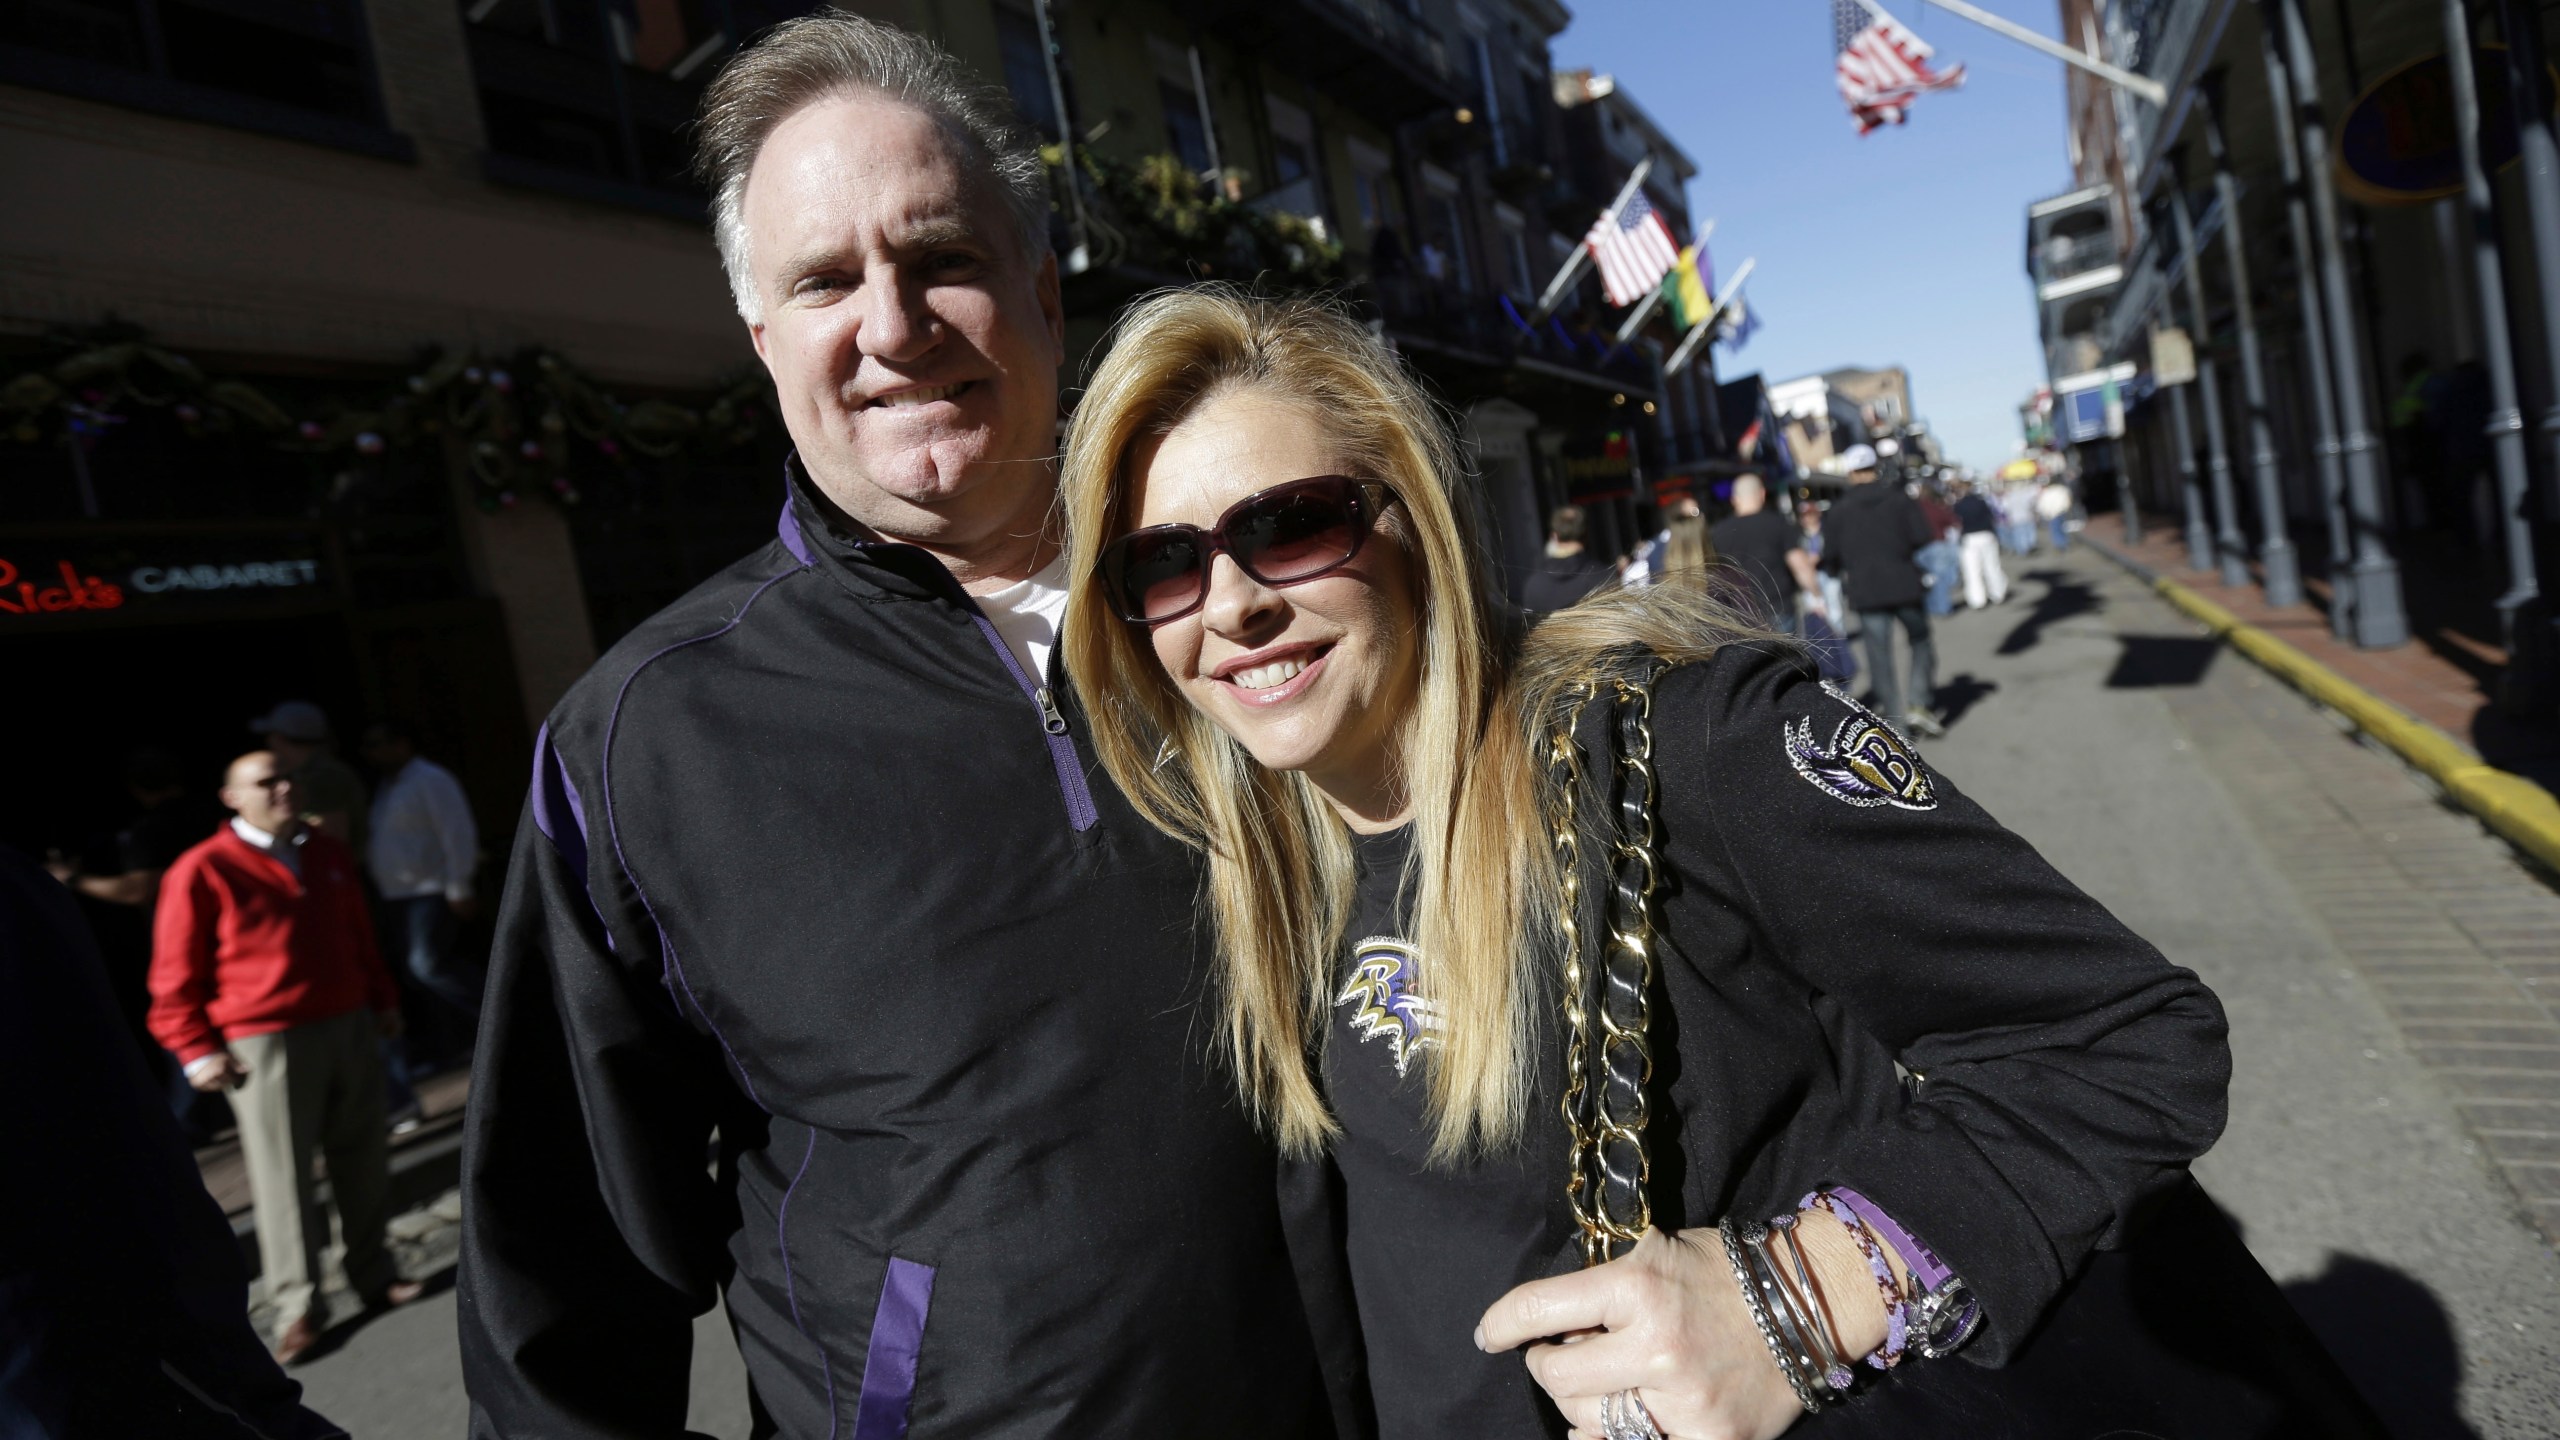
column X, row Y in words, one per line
column 2173, row 356
column 144, row 577
column 1599, row 467
column 2398, row 144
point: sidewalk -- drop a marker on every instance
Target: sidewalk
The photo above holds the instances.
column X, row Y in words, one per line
column 2444, row 676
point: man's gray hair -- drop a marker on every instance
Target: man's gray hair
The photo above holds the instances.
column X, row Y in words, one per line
column 817, row 57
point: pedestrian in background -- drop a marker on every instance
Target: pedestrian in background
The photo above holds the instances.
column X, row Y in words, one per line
column 1873, row 540
column 265, row 982
column 1938, row 557
column 2018, row 517
column 423, row 854
column 1568, row 572
column 1835, row 605
column 297, row 732
column 1770, row 556
column 1684, row 544
column 118, row 883
column 1985, row 582
column 123, row 1303
column 2053, row 507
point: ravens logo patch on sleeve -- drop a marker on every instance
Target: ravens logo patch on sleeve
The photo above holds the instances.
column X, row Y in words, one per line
column 1866, row 765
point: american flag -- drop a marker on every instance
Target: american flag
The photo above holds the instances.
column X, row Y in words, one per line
column 1633, row 248
column 1883, row 67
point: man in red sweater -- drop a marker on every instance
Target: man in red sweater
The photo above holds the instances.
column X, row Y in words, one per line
column 265, row 982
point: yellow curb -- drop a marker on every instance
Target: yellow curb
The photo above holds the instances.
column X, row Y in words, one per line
column 2525, row 813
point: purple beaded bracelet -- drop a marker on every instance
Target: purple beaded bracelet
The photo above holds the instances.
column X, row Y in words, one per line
column 1897, row 1309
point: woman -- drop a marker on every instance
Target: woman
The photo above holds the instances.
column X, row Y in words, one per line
column 1294, row 663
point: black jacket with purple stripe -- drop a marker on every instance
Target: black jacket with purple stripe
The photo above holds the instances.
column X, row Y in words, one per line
column 833, row 975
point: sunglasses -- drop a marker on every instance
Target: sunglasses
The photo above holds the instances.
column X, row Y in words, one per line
column 1279, row 536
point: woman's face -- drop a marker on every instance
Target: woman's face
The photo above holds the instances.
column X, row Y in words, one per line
column 1313, row 676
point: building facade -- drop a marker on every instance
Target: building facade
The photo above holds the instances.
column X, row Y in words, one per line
column 375, row 351
column 2322, row 297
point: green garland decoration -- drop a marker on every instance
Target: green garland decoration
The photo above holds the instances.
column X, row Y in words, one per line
column 1157, row 213
column 521, row 420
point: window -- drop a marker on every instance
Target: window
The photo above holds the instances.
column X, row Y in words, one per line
column 1026, row 69
column 1371, row 189
column 302, row 68
column 1186, row 126
column 1515, row 250
column 598, row 96
column 1444, row 246
column 1293, row 143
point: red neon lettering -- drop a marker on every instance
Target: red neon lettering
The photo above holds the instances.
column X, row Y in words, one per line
column 76, row 592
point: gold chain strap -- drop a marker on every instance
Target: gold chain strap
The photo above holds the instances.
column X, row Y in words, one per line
column 1611, row 1169
column 1564, row 770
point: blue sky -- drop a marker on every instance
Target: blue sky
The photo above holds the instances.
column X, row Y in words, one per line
column 1906, row 247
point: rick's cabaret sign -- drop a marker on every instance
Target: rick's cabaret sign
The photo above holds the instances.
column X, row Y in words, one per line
column 51, row 585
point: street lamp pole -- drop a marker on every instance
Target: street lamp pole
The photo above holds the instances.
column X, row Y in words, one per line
column 2533, row 645
column 2275, row 548
column 2380, row 621
column 2497, row 346
column 2227, row 542
column 2315, row 331
column 2199, row 539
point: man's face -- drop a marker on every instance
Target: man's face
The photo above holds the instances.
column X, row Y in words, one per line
column 259, row 789
column 914, row 344
column 290, row 752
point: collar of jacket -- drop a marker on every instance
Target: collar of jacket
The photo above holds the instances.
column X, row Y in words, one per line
column 818, row 533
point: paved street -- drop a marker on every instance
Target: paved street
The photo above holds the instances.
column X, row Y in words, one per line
column 2378, row 954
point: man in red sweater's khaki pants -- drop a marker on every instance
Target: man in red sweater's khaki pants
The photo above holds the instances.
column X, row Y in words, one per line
column 265, row 981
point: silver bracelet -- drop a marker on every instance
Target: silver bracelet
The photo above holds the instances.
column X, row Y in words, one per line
column 1834, row 1357
column 1757, row 1303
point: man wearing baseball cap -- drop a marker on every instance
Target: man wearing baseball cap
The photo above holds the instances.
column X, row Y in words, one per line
column 333, row 798
column 1871, row 539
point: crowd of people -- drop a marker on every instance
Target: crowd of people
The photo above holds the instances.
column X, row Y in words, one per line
column 1880, row 558
column 244, row 936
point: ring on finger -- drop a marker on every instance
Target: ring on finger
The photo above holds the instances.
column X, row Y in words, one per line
column 1623, row 1417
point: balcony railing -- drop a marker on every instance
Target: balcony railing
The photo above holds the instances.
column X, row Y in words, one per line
column 1495, row 328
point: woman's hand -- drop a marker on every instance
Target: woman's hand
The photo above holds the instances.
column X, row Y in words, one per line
column 1668, row 1321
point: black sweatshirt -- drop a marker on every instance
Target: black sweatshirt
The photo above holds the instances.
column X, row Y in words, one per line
column 1868, row 539
column 1834, row 906
column 812, row 865
column 1829, row 906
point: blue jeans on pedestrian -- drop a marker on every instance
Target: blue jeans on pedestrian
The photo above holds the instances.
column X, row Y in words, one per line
column 1946, row 572
column 1875, row 635
column 2061, row 533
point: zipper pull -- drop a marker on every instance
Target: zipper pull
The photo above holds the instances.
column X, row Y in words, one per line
column 1050, row 719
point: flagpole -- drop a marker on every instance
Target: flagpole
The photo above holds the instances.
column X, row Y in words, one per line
column 2148, row 89
column 1699, row 331
column 1581, row 257
column 1653, row 300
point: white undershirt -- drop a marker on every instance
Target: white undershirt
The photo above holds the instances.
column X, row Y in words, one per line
column 1027, row 613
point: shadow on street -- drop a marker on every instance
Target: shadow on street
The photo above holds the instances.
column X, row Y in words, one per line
column 2150, row 661
column 2392, row 1335
column 2063, row 598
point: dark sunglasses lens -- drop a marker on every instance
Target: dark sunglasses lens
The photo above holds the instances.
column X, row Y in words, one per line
column 1291, row 536
column 1159, row 575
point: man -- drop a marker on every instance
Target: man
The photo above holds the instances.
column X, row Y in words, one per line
column 123, row 1302
column 1985, row 581
column 814, row 863
column 265, row 982
column 1569, row 572
column 1769, row 553
column 423, row 854
column 298, row 733
column 1872, row 540
column 118, row 883
column 2053, row 507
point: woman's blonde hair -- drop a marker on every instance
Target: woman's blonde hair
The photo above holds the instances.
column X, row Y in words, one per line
column 1280, row 860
